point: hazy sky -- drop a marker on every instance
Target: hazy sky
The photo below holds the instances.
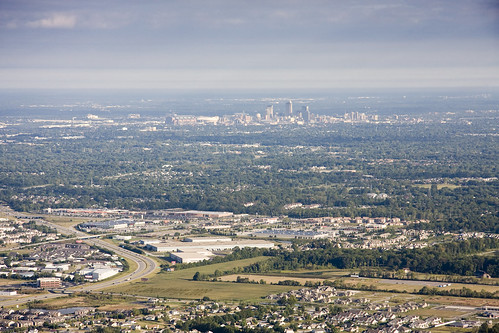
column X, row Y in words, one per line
column 232, row 44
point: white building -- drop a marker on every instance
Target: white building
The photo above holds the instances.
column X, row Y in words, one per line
column 173, row 246
column 149, row 241
column 103, row 273
column 207, row 239
column 289, row 108
column 188, row 257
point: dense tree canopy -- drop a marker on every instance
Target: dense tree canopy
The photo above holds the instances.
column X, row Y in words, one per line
column 224, row 168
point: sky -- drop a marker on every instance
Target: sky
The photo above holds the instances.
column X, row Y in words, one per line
column 248, row 45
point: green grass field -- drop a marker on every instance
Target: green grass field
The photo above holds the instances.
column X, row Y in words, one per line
column 439, row 186
column 7, row 281
column 68, row 221
column 338, row 273
column 179, row 284
column 92, row 300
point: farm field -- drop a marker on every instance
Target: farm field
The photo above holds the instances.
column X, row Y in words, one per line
column 439, row 186
column 66, row 221
column 338, row 273
column 388, row 284
column 85, row 300
column 4, row 281
column 179, row 284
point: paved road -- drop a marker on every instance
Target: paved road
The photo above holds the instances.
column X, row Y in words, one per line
column 145, row 266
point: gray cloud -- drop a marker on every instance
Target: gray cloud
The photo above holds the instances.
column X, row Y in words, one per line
column 55, row 20
column 274, row 36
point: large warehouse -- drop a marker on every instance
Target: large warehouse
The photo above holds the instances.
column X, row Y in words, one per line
column 188, row 257
column 209, row 245
column 186, row 214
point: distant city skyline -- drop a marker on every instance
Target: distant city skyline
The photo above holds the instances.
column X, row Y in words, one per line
column 245, row 45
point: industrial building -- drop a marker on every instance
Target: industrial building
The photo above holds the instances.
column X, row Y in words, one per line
column 113, row 224
column 103, row 273
column 149, row 241
column 97, row 274
column 181, row 120
column 207, row 239
column 173, row 246
column 186, row 214
column 188, row 257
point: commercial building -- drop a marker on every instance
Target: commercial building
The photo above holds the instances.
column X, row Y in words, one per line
column 97, row 274
column 93, row 212
column 103, row 273
column 188, row 257
column 207, row 239
column 122, row 237
column 114, row 224
column 269, row 112
column 286, row 233
column 48, row 282
column 174, row 246
column 289, row 108
column 181, row 120
column 149, row 241
column 186, row 214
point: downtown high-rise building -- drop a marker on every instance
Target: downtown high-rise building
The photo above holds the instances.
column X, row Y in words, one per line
column 289, row 108
column 269, row 112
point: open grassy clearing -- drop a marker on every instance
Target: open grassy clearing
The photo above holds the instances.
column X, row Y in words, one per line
column 338, row 273
column 461, row 301
column 411, row 286
column 396, row 298
column 188, row 289
column 490, row 253
column 320, row 274
column 4, row 281
column 385, row 284
column 66, row 221
column 267, row 278
column 179, row 284
column 439, row 186
column 188, row 273
column 447, row 329
column 84, row 300
column 445, row 314
column 121, row 306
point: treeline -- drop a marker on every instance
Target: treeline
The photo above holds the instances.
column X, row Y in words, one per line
column 446, row 258
column 132, row 248
column 463, row 292
column 378, row 272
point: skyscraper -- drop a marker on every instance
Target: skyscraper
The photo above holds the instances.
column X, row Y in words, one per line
column 307, row 117
column 269, row 114
column 289, row 108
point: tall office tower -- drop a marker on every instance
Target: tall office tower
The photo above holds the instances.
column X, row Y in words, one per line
column 306, row 114
column 269, row 112
column 289, row 108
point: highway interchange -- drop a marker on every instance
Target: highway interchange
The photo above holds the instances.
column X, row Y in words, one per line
column 145, row 266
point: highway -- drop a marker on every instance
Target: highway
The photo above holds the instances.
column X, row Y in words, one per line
column 145, row 266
